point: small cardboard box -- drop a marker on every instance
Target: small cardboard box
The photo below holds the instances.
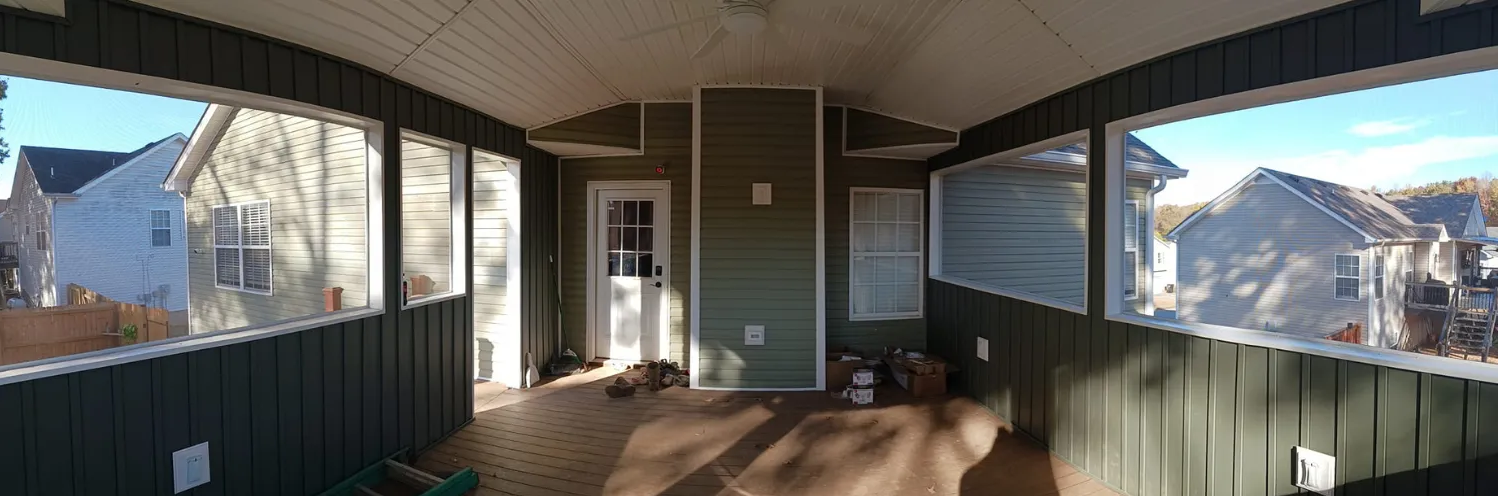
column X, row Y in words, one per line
column 839, row 371
column 863, row 377
column 861, row 396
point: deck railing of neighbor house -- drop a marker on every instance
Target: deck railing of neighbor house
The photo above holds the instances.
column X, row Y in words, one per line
column 1466, row 316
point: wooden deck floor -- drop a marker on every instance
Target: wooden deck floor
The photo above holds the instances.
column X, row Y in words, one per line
column 573, row 439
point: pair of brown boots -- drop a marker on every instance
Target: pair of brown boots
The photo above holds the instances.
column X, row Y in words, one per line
column 620, row 388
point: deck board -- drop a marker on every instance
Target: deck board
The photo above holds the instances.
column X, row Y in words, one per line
column 572, row 439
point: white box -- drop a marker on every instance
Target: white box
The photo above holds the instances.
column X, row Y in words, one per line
column 190, row 467
column 754, row 335
column 863, row 377
column 861, row 396
column 761, row 193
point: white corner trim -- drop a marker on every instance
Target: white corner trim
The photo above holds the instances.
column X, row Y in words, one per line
column 695, row 304
column 138, row 158
column 821, row 358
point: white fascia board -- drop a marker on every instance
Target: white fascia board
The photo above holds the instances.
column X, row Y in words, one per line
column 205, row 136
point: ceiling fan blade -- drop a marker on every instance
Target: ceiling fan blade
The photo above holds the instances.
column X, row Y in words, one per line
column 667, row 27
column 712, row 42
column 825, row 29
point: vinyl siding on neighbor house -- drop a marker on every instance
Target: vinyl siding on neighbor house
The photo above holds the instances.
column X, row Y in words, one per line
column 313, row 174
column 1264, row 260
column 1022, row 229
column 758, row 262
column 37, row 274
column 841, row 173
column 493, row 187
column 426, row 214
column 668, row 142
column 102, row 239
column 1388, row 312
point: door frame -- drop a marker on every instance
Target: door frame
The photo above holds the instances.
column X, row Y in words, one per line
column 591, row 281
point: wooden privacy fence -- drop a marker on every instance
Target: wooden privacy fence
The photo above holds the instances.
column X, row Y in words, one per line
column 1353, row 333
column 41, row 333
column 79, row 295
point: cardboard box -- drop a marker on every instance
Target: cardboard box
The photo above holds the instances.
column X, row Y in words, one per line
column 861, row 396
column 929, row 364
column 840, row 373
column 920, row 386
column 863, row 377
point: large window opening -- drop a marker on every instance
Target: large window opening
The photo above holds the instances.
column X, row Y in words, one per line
column 431, row 218
column 1360, row 217
column 144, row 219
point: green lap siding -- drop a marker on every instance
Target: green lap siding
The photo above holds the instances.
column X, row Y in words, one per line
column 843, row 173
column 668, row 143
column 758, row 262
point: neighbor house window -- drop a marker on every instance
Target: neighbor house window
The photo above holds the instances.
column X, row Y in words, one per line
column 1348, row 270
column 242, row 246
column 431, row 216
column 885, row 253
column 161, row 228
column 1132, row 239
column 1378, row 276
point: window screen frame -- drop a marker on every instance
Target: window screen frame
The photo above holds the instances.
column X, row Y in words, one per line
column 460, row 159
column 920, row 311
column 240, row 246
column 168, row 228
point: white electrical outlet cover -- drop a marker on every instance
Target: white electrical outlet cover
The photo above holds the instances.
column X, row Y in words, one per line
column 982, row 349
column 1313, row 471
column 754, row 335
column 761, row 193
column 191, row 468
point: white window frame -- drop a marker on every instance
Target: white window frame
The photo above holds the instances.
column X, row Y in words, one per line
column 1337, row 277
column 934, row 223
column 920, row 310
column 1379, row 275
column 269, row 248
column 459, row 156
column 168, row 228
column 378, row 280
column 1132, row 255
column 1113, row 181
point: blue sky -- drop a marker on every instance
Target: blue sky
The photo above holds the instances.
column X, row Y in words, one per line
column 1387, row 137
column 42, row 113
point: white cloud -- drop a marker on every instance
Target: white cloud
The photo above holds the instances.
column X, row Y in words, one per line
column 1372, row 129
column 1380, row 165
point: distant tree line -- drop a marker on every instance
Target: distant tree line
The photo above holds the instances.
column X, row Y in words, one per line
column 1167, row 217
column 1482, row 186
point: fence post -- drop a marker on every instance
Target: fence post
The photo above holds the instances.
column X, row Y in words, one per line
column 332, row 299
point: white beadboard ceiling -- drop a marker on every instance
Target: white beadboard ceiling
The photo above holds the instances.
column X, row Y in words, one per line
column 950, row 63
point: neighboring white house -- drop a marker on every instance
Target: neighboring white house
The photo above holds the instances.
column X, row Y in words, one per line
column 1165, row 266
column 100, row 220
column 1292, row 254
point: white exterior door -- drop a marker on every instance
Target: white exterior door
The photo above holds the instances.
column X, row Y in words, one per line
column 630, row 271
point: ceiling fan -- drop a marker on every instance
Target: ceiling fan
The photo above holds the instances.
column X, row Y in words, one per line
column 757, row 18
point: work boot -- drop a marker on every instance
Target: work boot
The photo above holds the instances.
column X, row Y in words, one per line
column 617, row 391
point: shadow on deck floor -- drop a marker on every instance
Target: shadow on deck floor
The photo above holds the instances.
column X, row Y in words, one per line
column 567, row 437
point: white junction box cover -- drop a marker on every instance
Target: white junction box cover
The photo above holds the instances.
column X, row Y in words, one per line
column 1313, row 471
column 982, row 349
column 754, row 335
column 761, row 193
column 190, row 467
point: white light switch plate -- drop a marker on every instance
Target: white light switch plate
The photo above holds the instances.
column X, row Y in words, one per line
column 190, row 468
column 761, row 193
column 754, row 335
column 983, row 349
column 1314, row 471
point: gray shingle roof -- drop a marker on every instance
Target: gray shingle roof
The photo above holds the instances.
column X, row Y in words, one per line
column 1136, row 150
column 64, row 170
column 1450, row 210
column 1407, row 217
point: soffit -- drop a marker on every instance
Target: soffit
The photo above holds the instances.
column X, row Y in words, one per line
column 950, row 63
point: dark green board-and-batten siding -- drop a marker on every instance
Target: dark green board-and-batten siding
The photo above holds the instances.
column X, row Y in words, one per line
column 290, row 414
column 616, row 126
column 668, row 143
column 1150, row 411
column 842, row 173
column 758, row 262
